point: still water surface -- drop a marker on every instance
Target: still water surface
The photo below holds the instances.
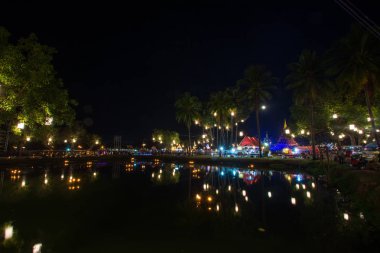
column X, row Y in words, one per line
column 137, row 206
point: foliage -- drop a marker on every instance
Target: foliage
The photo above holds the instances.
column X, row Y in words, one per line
column 166, row 138
column 30, row 90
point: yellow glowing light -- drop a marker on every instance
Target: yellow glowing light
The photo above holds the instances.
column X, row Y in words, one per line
column 335, row 116
column 23, row 183
column 217, row 208
column 346, row 216
column 50, row 139
column 28, row 138
column 46, row 181
column 198, row 197
column 159, row 176
column 8, row 232
column 236, row 208
column 293, row 200
column 308, row 194
column 217, row 191
column 196, row 122
column 209, row 198
column 297, row 186
column 302, row 131
column 229, row 188
column 313, row 185
column 65, row 141
column 232, row 114
column 351, row 126
column 74, row 140
column 96, row 142
column 244, row 193
column 303, row 186
column 215, row 114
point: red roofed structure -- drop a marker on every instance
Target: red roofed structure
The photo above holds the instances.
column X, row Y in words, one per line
column 249, row 142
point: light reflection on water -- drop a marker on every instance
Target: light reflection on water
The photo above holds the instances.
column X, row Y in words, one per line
column 272, row 198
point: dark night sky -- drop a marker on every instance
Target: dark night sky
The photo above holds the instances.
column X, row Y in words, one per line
column 126, row 64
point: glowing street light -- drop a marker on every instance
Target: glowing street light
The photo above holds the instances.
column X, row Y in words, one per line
column 302, row 131
column 368, row 119
column 293, row 201
column 263, row 107
column 215, row 114
column 241, row 133
column 65, row 141
column 37, row 248
column 269, row 194
column 335, row 116
column 97, row 142
column 28, row 139
column 196, row 122
column 74, row 140
column 287, row 131
column 232, row 113
column 351, row 126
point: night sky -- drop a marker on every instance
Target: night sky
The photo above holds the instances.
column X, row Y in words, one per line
column 126, row 64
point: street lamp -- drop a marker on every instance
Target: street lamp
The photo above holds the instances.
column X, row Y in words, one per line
column 263, row 107
column 241, row 133
column 335, row 116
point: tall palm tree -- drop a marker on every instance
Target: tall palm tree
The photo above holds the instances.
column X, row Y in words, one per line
column 306, row 78
column 355, row 60
column 187, row 110
column 256, row 85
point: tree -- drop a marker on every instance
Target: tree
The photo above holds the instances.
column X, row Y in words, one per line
column 188, row 109
column 355, row 61
column 30, row 90
column 306, row 78
column 166, row 138
column 256, row 85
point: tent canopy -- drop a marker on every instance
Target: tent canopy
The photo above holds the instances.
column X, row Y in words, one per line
column 249, row 142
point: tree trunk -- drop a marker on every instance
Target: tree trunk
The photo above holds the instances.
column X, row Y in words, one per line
column 369, row 107
column 312, row 132
column 188, row 128
column 258, row 129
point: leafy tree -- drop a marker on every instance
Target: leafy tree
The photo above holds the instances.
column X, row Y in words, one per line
column 188, row 109
column 166, row 138
column 355, row 62
column 30, row 90
column 256, row 84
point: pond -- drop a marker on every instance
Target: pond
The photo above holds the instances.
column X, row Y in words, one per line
column 138, row 206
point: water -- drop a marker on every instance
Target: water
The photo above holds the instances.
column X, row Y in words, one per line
column 137, row 206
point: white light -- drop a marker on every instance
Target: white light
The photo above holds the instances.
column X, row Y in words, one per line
column 74, row 140
column 360, row 131
column 236, row 208
column 8, row 232
column 23, row 183
column 203, row 136
column 246, row 198
column 269, row 194
column 263, row 107
column 62, row 176
column 302, row 131
column 152, row 175
column 45, row 181
column 346, row 216
column 241, row 133
column 217, row 208
column 335, row 116
column 368, row 119
column 94, row 174
column 229, row 188
column 332, row 133
column 244, row 193
column 313, row 185
column 21, row 125
column 351, row 126
column 204, row 187
column 37, row 248
column 217, row 191
column 303, row 186
column 377, row 130
column 50, row 139
column 232, row 114
column 49, row 121
column 65, row 141
column 293, row 136
column 308, row 194
column 287, row 131
column 242, row 121
column 308, row 133
column 297, row 186
column 28, row 138
column 293, row 200
column 196, row 122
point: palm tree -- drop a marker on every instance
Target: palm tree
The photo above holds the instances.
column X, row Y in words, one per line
column 306, row 78
column 355, row 61
column 256, row 85
column 188, row 109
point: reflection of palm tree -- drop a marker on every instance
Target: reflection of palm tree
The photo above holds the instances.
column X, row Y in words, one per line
column 188, row 108
column 306, row 79
column 257, row 83
column 356, row 60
